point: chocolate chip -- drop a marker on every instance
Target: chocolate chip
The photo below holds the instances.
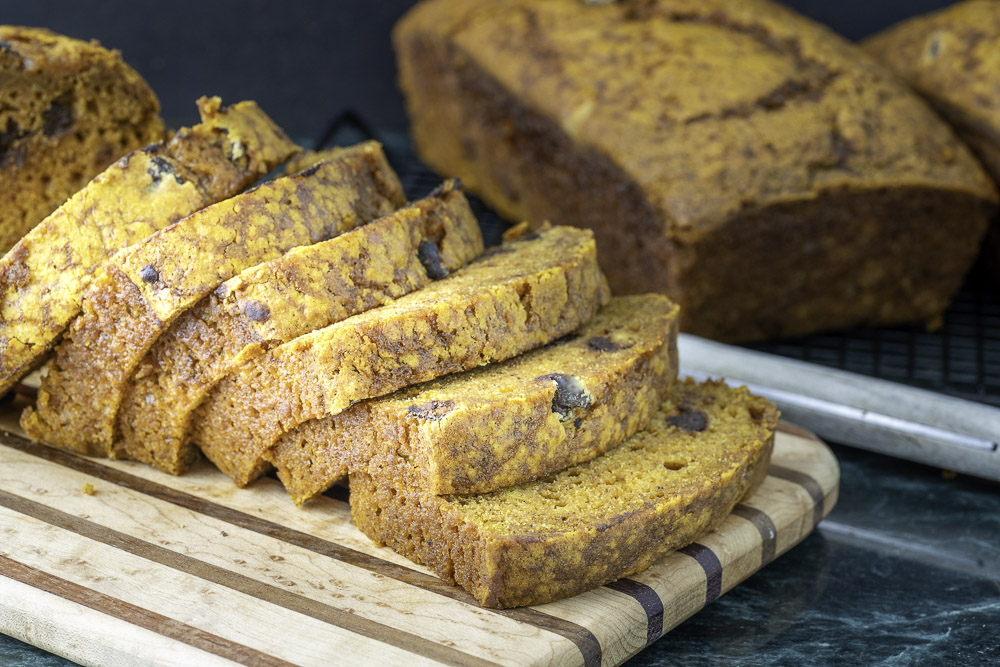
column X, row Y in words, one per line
column 6, row 46
column 934, row 46
column 159, row 167
column 433, row 410
column 149, row 274
column 689, row 420
column 569, row 395
column 603, row 344
column 57, row 118
column 430, row 257
column 577, row 422
column 7, row 139
column 257, row 311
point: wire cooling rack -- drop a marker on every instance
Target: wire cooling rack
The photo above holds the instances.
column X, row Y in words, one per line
column 961, row 358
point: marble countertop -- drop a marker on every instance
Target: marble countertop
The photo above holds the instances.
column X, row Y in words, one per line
column 904, row 571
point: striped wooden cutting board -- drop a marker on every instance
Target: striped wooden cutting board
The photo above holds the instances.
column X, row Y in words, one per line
column 160, row 570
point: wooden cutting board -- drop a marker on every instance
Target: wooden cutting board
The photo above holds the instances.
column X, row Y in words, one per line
column 159, row 570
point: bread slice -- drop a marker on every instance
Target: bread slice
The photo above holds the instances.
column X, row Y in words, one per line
column 68, row 109
column 146, row 287
column 515, row 298
column 307, row 288
column 763, row 172
column 506, row 423
column 43, row 278
column 707, row 447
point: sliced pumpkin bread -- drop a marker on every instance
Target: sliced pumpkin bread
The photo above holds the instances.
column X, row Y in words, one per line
column 307, row 288
column 144, row 288
column 43, row 278
column 506, row 423
column 516, row 297
column 707, row 447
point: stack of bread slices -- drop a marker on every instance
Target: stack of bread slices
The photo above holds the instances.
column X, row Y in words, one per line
column 501, row 418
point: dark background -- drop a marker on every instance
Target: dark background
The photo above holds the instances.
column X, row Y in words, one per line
column 302, row 60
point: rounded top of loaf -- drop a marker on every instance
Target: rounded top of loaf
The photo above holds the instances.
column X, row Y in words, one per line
column 952, row 56
column 710, row 106
column 42, row 49
column 38, row 54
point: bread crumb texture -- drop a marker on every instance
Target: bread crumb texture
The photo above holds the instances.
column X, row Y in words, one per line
column 307, row 288
column 514, row 298
column 144, row 288
column 707, row 447
column 44, row 277
column 505, row 423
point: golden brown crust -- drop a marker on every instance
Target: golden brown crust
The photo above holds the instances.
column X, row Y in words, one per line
column 43, row 278
column 307, row 288
column 952, row 57
column 515, row 298
column 68, row 109
column 147, row 286
column 507, row 423
column 550, row 112
column 596, row 522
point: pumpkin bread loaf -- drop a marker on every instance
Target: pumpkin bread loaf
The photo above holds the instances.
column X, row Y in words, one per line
column 506, row 423
column 68, row 109
column 519, row 296
column 43, row 278
column 707, row 447
column 307, row 288
column 766, row 174
column 952, row 58
column 144, row 288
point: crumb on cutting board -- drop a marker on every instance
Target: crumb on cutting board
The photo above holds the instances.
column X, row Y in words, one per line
column 88, row 489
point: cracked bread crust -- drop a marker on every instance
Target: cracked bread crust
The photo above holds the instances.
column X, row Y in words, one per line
column 506, row 423
column 44, row 277
column 307, row 288
column 144, row 288
column 68, row 109
column 613, row 516
column 514, row 298
column 528, row 104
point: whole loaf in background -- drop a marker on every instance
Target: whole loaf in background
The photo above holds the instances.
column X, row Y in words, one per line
column 763, row 172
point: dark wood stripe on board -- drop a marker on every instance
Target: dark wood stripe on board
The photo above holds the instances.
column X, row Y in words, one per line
column 650, row 601
column 711, row 565
column 143, row 618
column 811, row 486
column 584, row 639
column 768, row 533
column 241, row 583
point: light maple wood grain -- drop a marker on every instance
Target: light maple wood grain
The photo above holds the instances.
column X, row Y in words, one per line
column 154, row 569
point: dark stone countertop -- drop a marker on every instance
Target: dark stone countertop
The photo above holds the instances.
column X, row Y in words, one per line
column 904, row 571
